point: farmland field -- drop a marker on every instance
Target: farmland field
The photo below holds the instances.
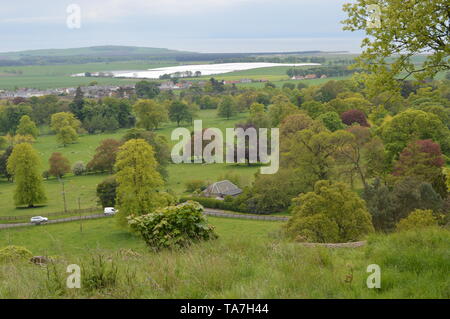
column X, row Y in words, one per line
column 56, row 76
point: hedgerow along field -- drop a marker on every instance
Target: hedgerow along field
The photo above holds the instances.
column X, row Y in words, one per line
column 248, row 260
column 80, row 191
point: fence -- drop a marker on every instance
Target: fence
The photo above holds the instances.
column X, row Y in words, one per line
column 68, row 212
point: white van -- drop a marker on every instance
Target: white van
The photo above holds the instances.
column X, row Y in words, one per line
column 37, row 220
column 110, row 211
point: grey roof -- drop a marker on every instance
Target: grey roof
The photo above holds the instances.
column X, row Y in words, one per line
column 223, row 188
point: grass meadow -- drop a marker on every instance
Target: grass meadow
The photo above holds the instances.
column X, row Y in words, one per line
column 248, row 260
column 81, row 190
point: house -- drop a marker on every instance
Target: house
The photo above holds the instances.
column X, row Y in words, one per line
column 298, row 77
column 220, row 190
column 310, row 76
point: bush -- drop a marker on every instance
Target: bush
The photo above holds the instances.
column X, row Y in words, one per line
column 317, row 228
column 14, row 253
column 106, row 192
column 417, row 219
column 194, row 185
column 331, row 212
column 173, row 226
column 79, row 168
column 99, row 274
column 215, row 203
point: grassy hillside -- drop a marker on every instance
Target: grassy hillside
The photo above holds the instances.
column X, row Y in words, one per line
column 247, row 261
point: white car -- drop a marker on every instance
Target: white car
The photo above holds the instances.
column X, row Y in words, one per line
column 110, row 211
column 37, row 220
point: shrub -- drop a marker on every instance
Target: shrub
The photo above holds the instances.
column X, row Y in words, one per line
column 331, row 212
column 173, row 226
column 79, row 168
column 316, row 228
column 14, row 253
column 99, row 274
column 106, row 192
column 194, row 185
column 417, row 219
column 215, row 203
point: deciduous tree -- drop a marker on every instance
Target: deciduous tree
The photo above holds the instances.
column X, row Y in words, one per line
column 138, row 180
column 23, row 164
column 150, row 114
column 59, row 165
column 105, row 156
column 331, row 213
column 27, row 127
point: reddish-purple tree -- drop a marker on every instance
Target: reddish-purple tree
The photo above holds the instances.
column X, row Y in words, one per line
column 354, row 116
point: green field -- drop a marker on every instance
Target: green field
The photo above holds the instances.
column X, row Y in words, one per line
column 57, row 76
column 83, row 187
column 66, row 238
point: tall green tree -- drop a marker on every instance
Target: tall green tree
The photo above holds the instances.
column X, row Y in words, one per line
column 150, row 114
column 179, row 111
column 158, row 142
column 65, row 125
column 27, row 127
column 23, row 164
column 77, row 105
column 4, row 156
column 147, row 90
column 227, row 108
column 138, row 180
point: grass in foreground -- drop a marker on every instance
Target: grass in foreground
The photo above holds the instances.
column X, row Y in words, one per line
column 245, row 262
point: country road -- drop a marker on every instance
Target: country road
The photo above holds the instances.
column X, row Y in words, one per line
column 208, row 212
column 54, row 221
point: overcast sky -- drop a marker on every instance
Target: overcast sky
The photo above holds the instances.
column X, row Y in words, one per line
column 195, row 25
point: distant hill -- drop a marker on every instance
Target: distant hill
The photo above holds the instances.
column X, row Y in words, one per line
column 109, row 50
column 87, row 55
column 113, row 53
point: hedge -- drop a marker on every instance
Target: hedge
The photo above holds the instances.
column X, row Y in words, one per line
column 213, row 203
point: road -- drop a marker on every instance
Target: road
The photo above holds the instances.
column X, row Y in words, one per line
column 54, row 221
column 208, row 212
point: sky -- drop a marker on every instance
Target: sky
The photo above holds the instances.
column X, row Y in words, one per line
column 193, row 25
